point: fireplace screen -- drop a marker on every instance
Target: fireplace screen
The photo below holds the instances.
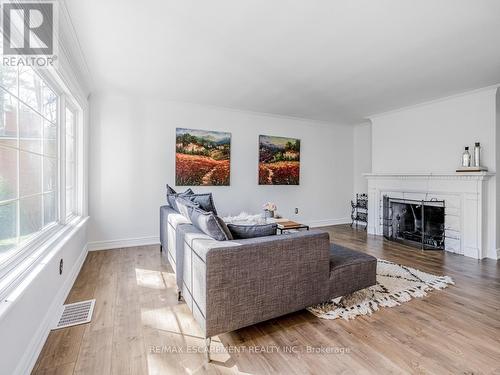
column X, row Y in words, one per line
column 415, row 223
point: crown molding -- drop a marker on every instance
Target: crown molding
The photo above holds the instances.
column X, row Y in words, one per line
column 492, row 89
column 72, row 59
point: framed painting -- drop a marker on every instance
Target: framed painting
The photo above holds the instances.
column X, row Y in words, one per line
column 279, row 160
column 202, row 157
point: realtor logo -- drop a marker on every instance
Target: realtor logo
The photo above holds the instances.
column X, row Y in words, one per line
column 29, row 31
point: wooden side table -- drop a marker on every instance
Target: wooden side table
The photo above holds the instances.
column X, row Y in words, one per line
column 284, row 226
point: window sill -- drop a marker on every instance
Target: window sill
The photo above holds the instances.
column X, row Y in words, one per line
column 14, row 283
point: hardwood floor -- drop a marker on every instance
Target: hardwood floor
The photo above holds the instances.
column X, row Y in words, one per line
column 137, row 319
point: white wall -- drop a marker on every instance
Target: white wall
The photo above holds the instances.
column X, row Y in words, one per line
column 431, row 137
column 27, row 314
column 497, row 137
column 29, row 309
column 132, row 157
column 362, row 156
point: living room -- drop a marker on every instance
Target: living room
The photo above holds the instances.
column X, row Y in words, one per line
column 250, row 187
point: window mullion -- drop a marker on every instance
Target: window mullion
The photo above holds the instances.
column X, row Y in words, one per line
column 62, row 159
column 42, row 145
column 18, row 172
column 77, row 163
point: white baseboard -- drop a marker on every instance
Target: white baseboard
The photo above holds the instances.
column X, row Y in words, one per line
column 324, row 223
column 498, row 254
column 34, row 349
column 128, row 242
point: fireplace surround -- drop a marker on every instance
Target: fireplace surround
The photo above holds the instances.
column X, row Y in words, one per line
column 417, row 223
column 466, row 196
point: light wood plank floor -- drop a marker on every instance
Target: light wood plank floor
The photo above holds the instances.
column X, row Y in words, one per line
column 137, row 318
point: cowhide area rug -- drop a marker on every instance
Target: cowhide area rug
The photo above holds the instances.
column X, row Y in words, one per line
column 396, row 284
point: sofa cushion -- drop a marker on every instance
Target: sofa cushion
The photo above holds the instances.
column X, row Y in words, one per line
column 205, row 201
column 252, row 231
column 172, row 195
column 341, row 256
column 200, row 242
column 177, row 219
column 350, row 270
column 184, row 204
column 209, row 223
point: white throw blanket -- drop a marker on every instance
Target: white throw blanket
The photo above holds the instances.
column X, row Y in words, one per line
column 245, row 218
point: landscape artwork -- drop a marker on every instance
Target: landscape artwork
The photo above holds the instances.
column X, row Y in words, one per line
column 202, row 157
column 279, row 160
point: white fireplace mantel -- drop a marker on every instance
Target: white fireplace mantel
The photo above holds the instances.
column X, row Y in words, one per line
column 435, row 176
column 465, row 204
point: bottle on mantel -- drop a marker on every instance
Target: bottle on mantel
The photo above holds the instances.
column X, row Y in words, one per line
column 477, row 155
column 466, row 158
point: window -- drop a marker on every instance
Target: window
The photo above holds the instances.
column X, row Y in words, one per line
column 70, row 162
column 30, row 160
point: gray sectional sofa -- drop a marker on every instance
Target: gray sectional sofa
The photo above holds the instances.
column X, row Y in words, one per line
column 236, row 283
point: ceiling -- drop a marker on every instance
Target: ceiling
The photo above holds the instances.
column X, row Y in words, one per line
column 337, row 61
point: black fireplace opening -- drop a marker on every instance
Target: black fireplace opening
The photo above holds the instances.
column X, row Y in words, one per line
column 414, row 222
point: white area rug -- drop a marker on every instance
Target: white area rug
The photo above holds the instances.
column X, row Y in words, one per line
column 396, row 284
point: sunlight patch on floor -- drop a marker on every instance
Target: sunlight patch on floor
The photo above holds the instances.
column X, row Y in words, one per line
column 150, row 279
column 169, row 279
column 162, row 318
column 176, row 353
column 176, row 319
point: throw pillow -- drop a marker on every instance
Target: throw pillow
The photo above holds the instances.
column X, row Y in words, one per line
column 240, row 232
column 172, row 196
column 209, row 224
column 205, row 201
column 183, row 205
column 170, row 190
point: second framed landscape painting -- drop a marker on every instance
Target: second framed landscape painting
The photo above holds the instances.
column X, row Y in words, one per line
column 202, row 157
column 279, row 160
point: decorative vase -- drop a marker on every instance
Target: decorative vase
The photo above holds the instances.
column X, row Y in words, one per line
column 477, row 155
column 466, row 158
column 268, row 214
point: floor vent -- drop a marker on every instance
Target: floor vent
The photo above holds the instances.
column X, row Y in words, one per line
column 76, row 313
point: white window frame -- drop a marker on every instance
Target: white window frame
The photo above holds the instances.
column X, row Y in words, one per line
column 66, row 99
column 24, row 251
column 77, row 190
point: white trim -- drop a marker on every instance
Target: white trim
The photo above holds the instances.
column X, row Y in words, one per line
column 493, row 88
column 325, row 223
column 126, row 242
column 24, row 251
column 498, row 254
column 319, row 122
column 71, row 48
column 16, row 283
column 431, row 175
column 35, row 347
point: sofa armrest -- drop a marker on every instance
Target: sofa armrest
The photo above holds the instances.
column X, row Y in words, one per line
column 258, row 279
column 164, row 212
